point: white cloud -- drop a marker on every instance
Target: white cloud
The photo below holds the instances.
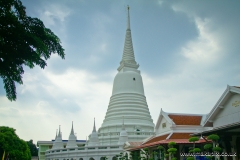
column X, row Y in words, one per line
column 179, row 93
column 205, row 48
column 53, row 13
column 160, row 2
column 79, row 87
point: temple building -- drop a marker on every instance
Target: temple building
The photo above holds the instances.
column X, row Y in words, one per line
column 127, row 117
column 223, row 120
column 128, row 127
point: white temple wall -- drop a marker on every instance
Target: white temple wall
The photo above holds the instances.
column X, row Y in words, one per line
column 95, row 152
column 230, row 112
column 161, row 129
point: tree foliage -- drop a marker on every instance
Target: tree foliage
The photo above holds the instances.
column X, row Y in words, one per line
column 33, row 148
column 193, row 139
column 213, row 137
column 207, row 146
column 12, row 145
column 217, row 149
column 190, row 158
column 171, row 144
column 171, row 149
column 23, row 41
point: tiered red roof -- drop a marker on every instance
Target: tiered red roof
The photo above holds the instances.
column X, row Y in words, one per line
column 155, row 139
column 185, row 119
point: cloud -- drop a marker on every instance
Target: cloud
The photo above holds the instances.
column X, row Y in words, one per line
column 180, row 93
column 189, row 51
column 205, row 48
column 49, row 99
column 54, row 14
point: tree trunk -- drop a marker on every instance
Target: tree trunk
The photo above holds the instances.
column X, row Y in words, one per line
column 3, row 155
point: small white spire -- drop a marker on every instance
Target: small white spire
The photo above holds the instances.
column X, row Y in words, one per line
column 123, row 137
column 72, row 131
column 56, row 134
column 93, row 140
column 128, row 22
column 128, row 58
column 58, row 144
column 94, row 127
column 72, row 139
column 59, row 131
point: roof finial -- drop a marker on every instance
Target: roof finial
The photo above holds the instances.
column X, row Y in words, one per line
column 56, row 134
column 128, row 23
column 59, row 131
column 72, row 131
column 94, row 127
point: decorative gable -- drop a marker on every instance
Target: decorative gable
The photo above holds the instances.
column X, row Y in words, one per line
column 227, row 109
column 230, row 112
column 164, row 127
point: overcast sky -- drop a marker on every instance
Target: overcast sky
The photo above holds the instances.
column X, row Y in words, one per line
column 188, row 53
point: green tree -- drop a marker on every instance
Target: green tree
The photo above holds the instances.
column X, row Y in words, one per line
column 193, row 139
column 172, row 150
column 207, row 147
column 33, row 148
column 214, row 138
column 194, row 150
column 163, row 151
column 12, row 145
column 23, row 41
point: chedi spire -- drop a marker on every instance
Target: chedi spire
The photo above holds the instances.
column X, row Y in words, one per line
column 58, row 144
column 72, row 140
column 128, row 58
column 123, row 137
column 93, row 140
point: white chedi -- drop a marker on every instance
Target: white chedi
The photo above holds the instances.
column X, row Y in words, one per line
column 58, row 144
column 128, row 100
column 93, row 141
column 123, row 137
column 72, row 140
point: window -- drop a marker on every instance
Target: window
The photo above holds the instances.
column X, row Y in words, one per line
column 138, row 130
column 134, row 79
column 163, row 125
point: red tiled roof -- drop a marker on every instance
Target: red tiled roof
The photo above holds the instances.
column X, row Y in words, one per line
column 180, row 136
column 185, row 119
column 155, row 139
column 178, row 141
column 135, row 144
